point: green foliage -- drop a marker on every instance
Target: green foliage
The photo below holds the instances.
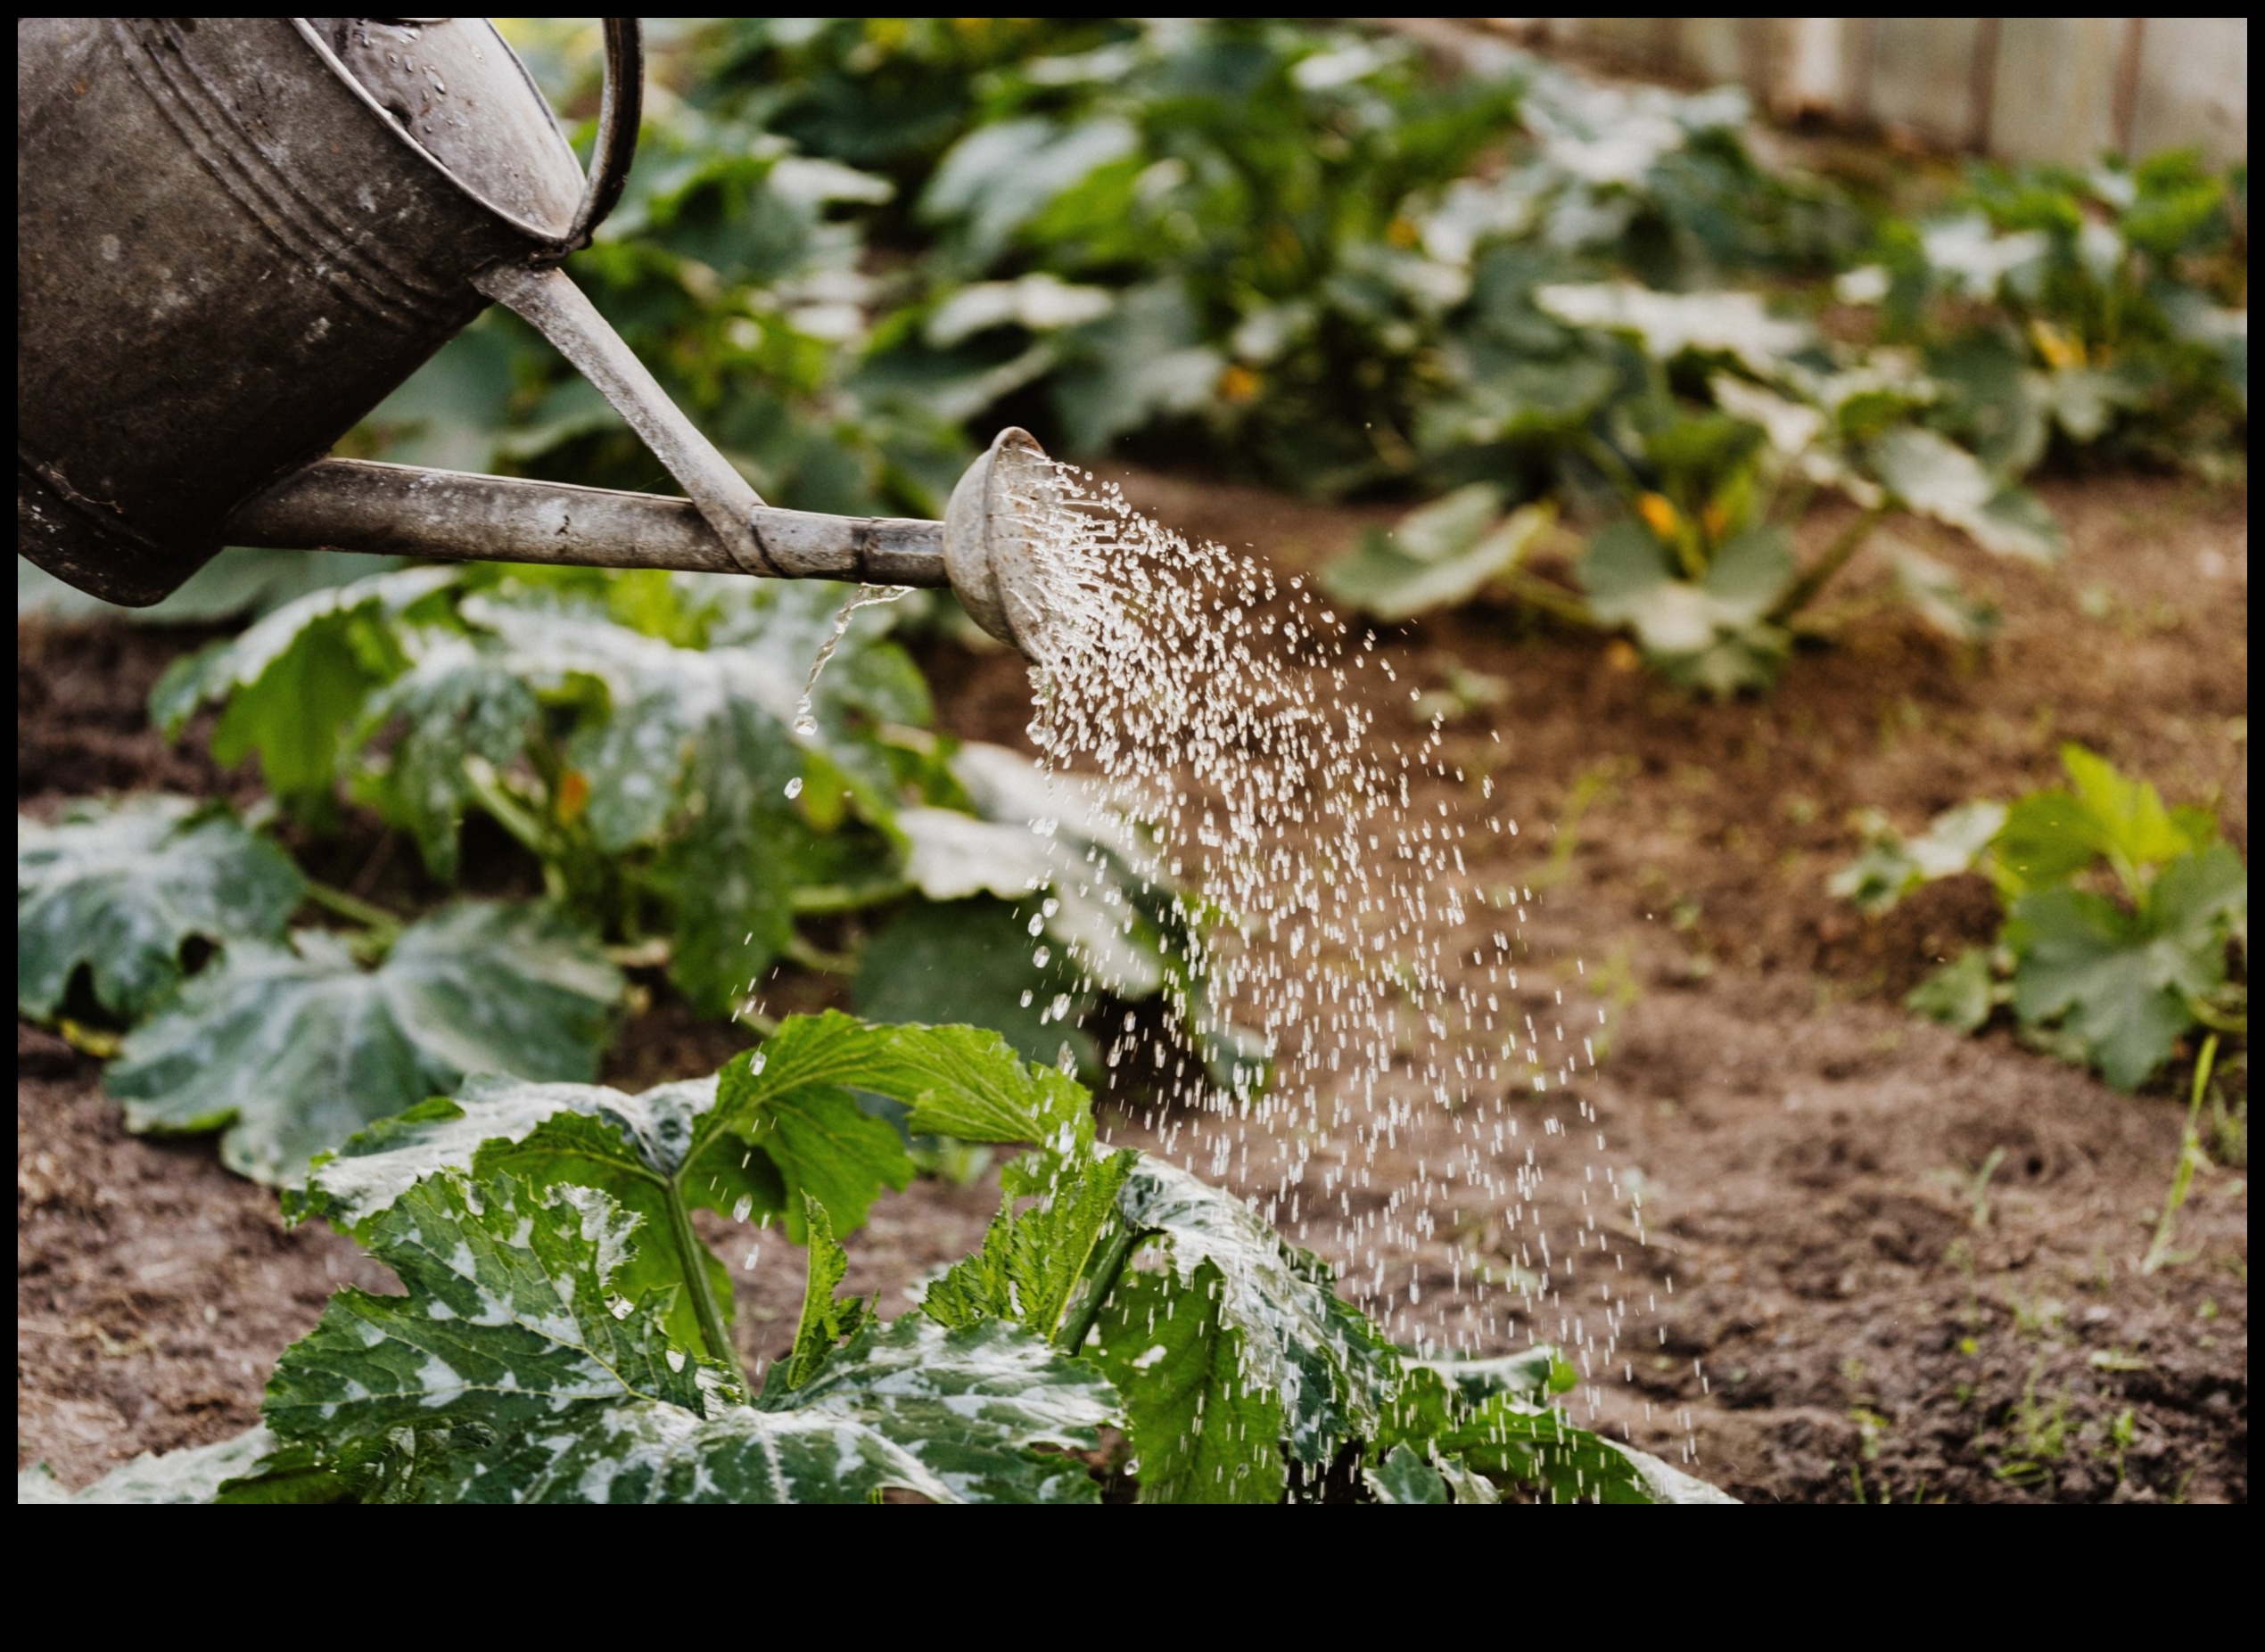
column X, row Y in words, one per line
column 1440, row 555
column 543, row 1352
column 2120, row 915
column 516, row 1370
column 639, row 734
column 290, row 1046
column 118, row 889
column 2102, row 307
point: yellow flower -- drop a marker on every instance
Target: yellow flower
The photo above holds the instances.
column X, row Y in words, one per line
column 1659, row 514
column 2058, row 349
column 1238, row 383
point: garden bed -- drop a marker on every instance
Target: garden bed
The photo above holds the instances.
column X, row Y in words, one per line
column 1856, row 1311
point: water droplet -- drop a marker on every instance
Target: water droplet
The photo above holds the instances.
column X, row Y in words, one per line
column 740, row 1206
column 794, row 786
column 755, row 1063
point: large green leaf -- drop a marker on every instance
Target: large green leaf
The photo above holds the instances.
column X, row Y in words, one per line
column 2123, row 983
column 777, row 1124
column 1937, row 478
column 1295, row 1340
column 1670, row 324
column 1412, row 572
column 970, row 961
column 119, row 887
column 1711, row 633
column 515, row 1370
column 457, row 702
column 695, row 752
column 297, row 679
column 2050, row 836
column 292, row 1048
column 1205, row 1428
column 1485, row 1419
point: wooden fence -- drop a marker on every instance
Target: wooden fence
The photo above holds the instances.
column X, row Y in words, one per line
column 2021, row 88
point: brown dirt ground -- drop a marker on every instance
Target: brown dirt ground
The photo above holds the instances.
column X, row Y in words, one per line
column 1854, row 1312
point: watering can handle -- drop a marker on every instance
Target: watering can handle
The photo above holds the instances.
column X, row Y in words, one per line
column 620, row 105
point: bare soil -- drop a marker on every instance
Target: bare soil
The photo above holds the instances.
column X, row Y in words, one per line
column 1858, row 1311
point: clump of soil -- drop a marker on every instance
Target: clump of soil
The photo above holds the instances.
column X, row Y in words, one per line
column 1904, row 1264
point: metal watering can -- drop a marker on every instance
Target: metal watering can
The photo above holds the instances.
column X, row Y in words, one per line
column 235, row 236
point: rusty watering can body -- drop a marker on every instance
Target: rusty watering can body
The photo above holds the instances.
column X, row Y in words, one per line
column 235, row 236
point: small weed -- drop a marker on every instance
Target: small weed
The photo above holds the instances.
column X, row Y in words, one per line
column 2036, row 1436
column 1972, row 1184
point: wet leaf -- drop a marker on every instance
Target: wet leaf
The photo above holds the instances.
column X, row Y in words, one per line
column 969, row 961
column 516, row 1370
column 1404, row 1478
column 1490, row 1427
column 291, row 1048
column 119, row 887
column 1205, row 1428
column 1296, row 1340
column 1033, row 1261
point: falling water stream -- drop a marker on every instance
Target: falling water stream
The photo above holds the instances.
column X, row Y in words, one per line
column 1234, row 715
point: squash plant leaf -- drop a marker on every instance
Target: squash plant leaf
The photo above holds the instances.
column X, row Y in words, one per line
column 1033, row 1261
column 119, row 887
column 515, row 1370
column 777, row 1124
column 826, row 1320
column 194, row 1475
column 2122, row 983
column 1205, row 1427
column 295, row 681
column 456, row 702
column 1404, row 1478
column 1294, row 1338
column 292, row 1047
column 1711, row 633
column 1935, row 477
column 1487, row 1418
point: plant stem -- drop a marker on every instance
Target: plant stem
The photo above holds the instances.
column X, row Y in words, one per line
column 354, row 908
column 2190, row 1157
column 815, row 899
column 508, row 811
column 1541, row 593
column 1804, row 589
column 1109, row 1263
column 825, row 963
column 713, row 1330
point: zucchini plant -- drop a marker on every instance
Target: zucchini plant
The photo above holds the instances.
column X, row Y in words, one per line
column 2127, row 923
column 565, row 1334
column 1728, row 421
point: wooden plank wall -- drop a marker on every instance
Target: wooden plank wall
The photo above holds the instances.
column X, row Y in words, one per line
column 2021, row 88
